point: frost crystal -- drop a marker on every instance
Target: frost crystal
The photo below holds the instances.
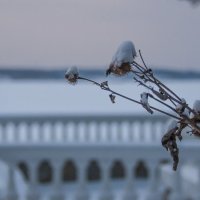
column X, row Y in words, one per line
column 122, row 59
column 72, row 75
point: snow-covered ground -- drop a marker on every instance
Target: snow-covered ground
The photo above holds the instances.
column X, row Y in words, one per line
column 58, row 97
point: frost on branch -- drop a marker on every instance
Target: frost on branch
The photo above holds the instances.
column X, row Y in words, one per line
column 72, row 75
column 122, row 59
column 144, row 102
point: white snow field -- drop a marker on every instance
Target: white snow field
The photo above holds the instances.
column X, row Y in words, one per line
column 59, row 97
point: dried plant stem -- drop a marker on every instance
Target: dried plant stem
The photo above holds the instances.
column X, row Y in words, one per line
column 157, row 81
column 151, row 96
column 151, row 78
column 89, row 80
column 190, row 123
column 127, row 98
column 159, row 84
column 143, row 60
column 163, row 103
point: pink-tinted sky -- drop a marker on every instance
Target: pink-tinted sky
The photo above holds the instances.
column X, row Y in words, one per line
column 87, row 32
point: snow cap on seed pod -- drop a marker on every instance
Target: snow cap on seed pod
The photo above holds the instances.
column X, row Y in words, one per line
column 72, row 75
column 122, row 59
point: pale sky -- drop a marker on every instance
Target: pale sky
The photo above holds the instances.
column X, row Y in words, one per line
column 54, row 33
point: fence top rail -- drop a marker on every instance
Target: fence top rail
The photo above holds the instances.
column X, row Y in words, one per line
column 81, row 118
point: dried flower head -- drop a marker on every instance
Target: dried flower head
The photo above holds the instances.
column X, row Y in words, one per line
column 72, row 75
column 169, row 142
column 122, row 59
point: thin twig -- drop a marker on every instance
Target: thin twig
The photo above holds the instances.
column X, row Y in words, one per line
column 143, row 59
column 151, row 96
column 128, row 98
column 150, row 88
column 150, row 76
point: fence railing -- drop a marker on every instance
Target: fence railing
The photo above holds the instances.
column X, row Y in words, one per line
column 80, row 129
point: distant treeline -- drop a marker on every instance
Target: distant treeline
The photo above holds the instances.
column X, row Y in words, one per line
column 90, row 73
